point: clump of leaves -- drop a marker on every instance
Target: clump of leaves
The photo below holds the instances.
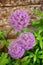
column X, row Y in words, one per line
column 2, row 38
column 39, row 21
column 4, row 59
column 33, row 58
column 38, row 13
column 39, row 38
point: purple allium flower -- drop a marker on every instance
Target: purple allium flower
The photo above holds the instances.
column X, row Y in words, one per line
column 19, row 19
column 15, row 50
column 26, row 40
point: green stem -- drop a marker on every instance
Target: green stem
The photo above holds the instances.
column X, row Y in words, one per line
column 5, row 41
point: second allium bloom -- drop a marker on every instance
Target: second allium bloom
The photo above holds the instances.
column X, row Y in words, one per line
column 15, row 50
column 26, row 40
column 19, row 19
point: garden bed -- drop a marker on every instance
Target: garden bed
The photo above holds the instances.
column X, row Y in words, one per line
column 10, row 34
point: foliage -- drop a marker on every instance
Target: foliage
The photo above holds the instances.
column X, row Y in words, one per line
column 4, row 59
column 33, row 56
column 38, row 13
column 2, row 37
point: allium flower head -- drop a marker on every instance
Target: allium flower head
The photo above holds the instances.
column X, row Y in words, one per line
column 15, row 50
column 19, row 19
column 26, row 40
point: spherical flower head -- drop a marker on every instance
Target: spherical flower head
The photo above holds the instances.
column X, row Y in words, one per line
column 15, row 50
column 26, row 40
column 19, row 19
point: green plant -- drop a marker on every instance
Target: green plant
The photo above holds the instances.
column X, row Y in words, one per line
column 2, row 37
column 39, row 37
column 33, row 56
column 38, row 13
column 4, row 59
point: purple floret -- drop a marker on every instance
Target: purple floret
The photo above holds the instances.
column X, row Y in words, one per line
column 15, row 50
column 19, row 19
column 26, row 40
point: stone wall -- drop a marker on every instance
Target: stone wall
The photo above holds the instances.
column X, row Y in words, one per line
column 19, row 2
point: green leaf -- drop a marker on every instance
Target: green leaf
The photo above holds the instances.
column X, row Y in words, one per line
column 34, row 59
column 37, row 50
column 4, row 59
column 26, row 29
column 35, row 33
column 17, row 63
column 6, row 43
column 41, row 44
column 1, row 33
column 35, row 22
column 41, row 52
column 40, row 31
column 39, row 38
column 41, row 56
column 41, row 20
column 38, row 13
column 36, row 42
column 18, row 33
column 25, row 62
column 25, row 58
column 40, row 27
